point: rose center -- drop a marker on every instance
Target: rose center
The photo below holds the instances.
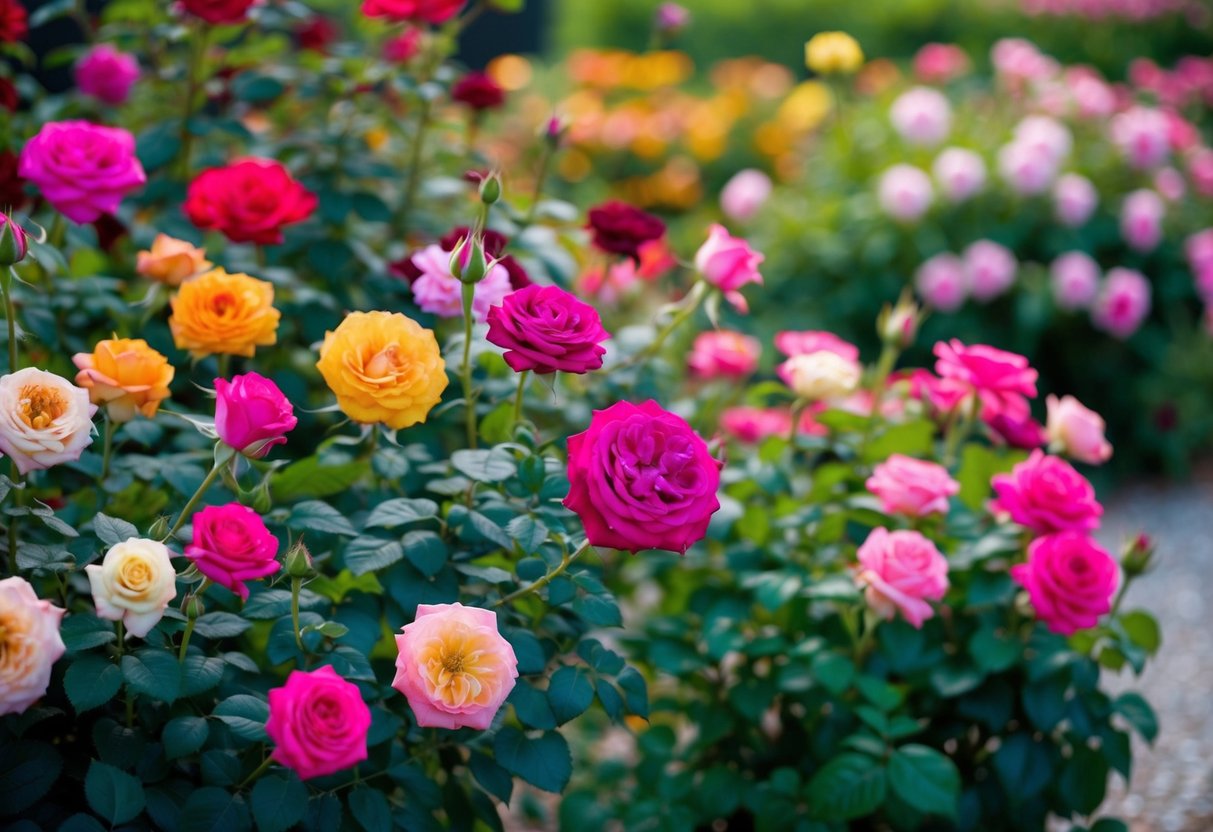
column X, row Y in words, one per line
column 223, row 303
column 40, row 406
column 384, row 363
column 136, row 574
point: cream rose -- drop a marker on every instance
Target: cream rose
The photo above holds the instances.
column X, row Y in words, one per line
column 133, row 584
column 822, row 375
column 29, row 644
column 45, row 420
column 1076, row 431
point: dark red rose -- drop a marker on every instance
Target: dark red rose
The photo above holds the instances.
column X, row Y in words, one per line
column 109, row 231
column 494, row 241
column 219, row 11
column 12, row 186
column 14, row 22
column 403, row 46
column 478, row 91
column 519, row 279
column 1023, row 433
column 250, row 201
column 620, row 228
column 318, row 34
column 405, row 269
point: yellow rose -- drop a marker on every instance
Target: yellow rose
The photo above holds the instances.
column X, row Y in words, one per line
column 831, row 53
column 224, row 313
column 125, row 375
column 133, row 584
column 383, row 367
column 171, row 261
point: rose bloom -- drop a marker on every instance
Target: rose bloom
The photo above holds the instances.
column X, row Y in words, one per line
column 901, row 571
column 29, row 645
column 84, row 170
column 228, row 314
column 671, row 18
column 912, row 487
column 416, row 11
column 960, row 173
column 904, row 192
column 1045, row 136
column 941, row 282
column 494, row 242
column 454, row 667
column 1141, row 220
column 1092, row 95
column 219, row 12
column 251, row 414
column 822, row 375
column 1200, row 169
column 1076, row 431
column 833, row 53
column 936, row 63
column 440, row 293
column 171, row 261
column 1003, row 380
column 403, row 47
column 383, row 367
column 1070, row 581
column 1123, row 303
column 922, row 116
column 753, row 424
column 1074, row 200
column 546, row 329
column 1045, row 494
column 478, row 92
column 744, row 194
column 1142, row 134
column 45, row 420
column 318, row 34
column 1170, row 184
column 723, row 354
column 318, row 723
column 619, row 228
column 249, row 201
column 1028, row 170
column 641, row 478
column 14, row 22
column 1075, row 278
column 990, row 269
column 1198, row 249
column 728, row 263
column 231, row 546
column 133, row 584
column 1016, row 428
column 107, row 74
column 126, row 376
column 792, row 342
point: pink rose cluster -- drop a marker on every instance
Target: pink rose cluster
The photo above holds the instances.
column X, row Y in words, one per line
column 904, row 193
column 1032, row 160
column 984, row 271
column 1118, row 303
column 922, row 116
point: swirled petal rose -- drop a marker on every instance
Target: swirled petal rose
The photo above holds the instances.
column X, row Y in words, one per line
column 225, row 314
column 1070, row 580
column 171, row 261
column 45, row 420
column 902, row 571
column 913, row 487
column 546, row 329
column 126, row 376
column 250, row 201
column 1045, row 494
column 318, row 723
column 252, row 414
column 232, row 546
column 83, row 169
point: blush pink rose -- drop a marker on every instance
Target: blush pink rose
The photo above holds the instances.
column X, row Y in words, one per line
column 745, row 194
column 1028, row 169
column 454, row 666
column 440, row 293
column 960, row 173
column 1074, row 200
column 922, row 116
column 904, row 192
column 641, row 478
column 318, row 723
column 546, row 329
column 251, row 414
column 1004, row 381
column 232, row 546
column 107, row 74
column 29, row 645
column 1123, row 303
column 913, row 487
column 84, row 170
column 1070, row 580
column 1141, row 220
column 990, row 269
column 1142, row 135
column 1077, row 431
column 723, row 354
column 1075, row 280
column 941, row 283
column 728, row 263
column 901, row 572
column 1045, row 494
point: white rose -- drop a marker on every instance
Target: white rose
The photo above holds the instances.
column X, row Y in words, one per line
column 133, row 584
column 45, row 420
column 822, row 375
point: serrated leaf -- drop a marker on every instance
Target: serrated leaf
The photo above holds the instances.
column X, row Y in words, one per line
column 220, row 625
column 847, row 787
column 527, row 532
column 184, row 735
column 487, row 465
column 370, row 808
column 426, row 551
column 278, row 802
column 925, row 779
column 316, row 516
column 153, row 673
column 570, row 692
column 492, row 778
column 112, row 530
column 91, row 681
column 398, row 512
column 245, row 714
column 367, row 554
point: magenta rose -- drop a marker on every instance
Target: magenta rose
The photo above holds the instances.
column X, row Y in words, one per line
column 1003, row 380
column 728, row 263
column 251, row 414
column 478, row 91
column 913, row 487
column 107, row 74
column 546, row 329
column 641, row 478
column 620, row 228
column 400, row 11
column 1045, row 494
column 318, row 723
column 1070, row 580
column 231, row 545
column 901, row 572
column 84, row 170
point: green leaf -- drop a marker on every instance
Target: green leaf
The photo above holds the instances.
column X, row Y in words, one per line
column 309, row 478
column 914, row 439
column 278, row 802
column 635, row 692
column 27, row 772
column 994, row 652
column 570, row 692
column 245, row 714
column 91, row 681
column 111, row 530
column 1023, row 766
column 113, row 794
column 1142, row 629
column 484, row 464
column 532, row 707
column 212, row 809
column 367, row 553
column 599, row 611
column 926, row 779
column 1084, row 780
column 316, row 516
column 426, row 551
column 527, row 532
column 489, row 530
column 370, row 808
column 153, row 673
column 184, row 735
column 220, row 625
column 543, row 761
column 398, row 512
column 1138, row 712
column 835, row 672
column 847, row 787
column 492, row 778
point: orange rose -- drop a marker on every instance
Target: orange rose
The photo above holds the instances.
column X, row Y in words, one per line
column 171, row 261
column 126, row 376
column 230, row 314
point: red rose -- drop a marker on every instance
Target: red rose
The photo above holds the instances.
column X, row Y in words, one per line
column 14, row 22
column 219, row 11
column 318, row 34
column 478, row 91
column 12, row 186
column 9, row 97
column 249, row 201
column 400, row 11
column 620, row 228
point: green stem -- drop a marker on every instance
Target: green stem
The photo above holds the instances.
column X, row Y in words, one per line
column 960, row 430
column 257, row 772
column 10, row 316
column 694, row 300
column 107, row 448
column 884, row 366
column 465, row 371
column 197, row 57
column 545, row 165
column 191, row 620
column 539, row 584
column 14, row 474
column 522, row 380
column 414, row 178
column 296, row 585
column 225, row 364
column 185, row 512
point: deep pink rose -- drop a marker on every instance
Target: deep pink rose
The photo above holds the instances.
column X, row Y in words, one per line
column 1123, row 302
column 723, row 354
column 913, row 487
column 901, row 572
column 231, row 545
column 641, row 478
column 318, row 723
column 107, row 74
column 1045, row 494
column 251, row 414
column 84, row 170
column 1070, row 579
column 1002, row 380
column 1015, row 428
column 728, row 263
column 454, row 666
column 401, row 11
column 936, row 63
column 546, row 329
column 478, row 91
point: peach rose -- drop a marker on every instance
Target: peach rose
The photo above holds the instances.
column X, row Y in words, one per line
column 45, row 420
column 171, row 261
column 125, row 375
column 133, row 584
column 1076, row 431
column 229, row 314
column 29, row 644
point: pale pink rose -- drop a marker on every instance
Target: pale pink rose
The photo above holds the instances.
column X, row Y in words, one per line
column 1199, row 162
column 793, row 343
column 1018, row 61
column 1142, row 134
column 29, row 645
column 1170, row 184
column 454, row 666
column 1199, row 250
column 989, row 269
column 904, row 192
column 754, row 424
column 45, row 420
column 723, row 354
column 745, row 194
column 440, row 293
column 901, row 571
column 1076, row 431
column 728, row 263
column 1123, row 302
column 1092, row 95
column 960, row 173
column 941, row 283
column 922, row 116
column 1047, row 136
column 1074, row 199
column 1027, row 169
column 913, row 487
column 1075, row 280
column 1141, row 220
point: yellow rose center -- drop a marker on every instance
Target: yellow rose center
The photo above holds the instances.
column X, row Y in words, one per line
column 384, row 363
column 136, row 574
column 40, row 406
column 12, row 646
column 458, row 668
column 223, row 303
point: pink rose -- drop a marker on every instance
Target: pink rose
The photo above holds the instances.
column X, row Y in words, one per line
column 744, row 194
column 1075, row 278
column 1141, row 220
column 901, row 571
column 231, row 545
column 454, row 666
column 1143, row 136
column 1045, row 494
column 440, row 293
column 1070, row 580
column 1014, row 427
column 1170, row 184
column 1003, row 380
column 754, row 424
column 1091, row 93
column 84, row 170
column 1123, row 303
column 723, row 354
column 251, row 414
column 922, row 116
column 29, row 645
column 1045, row 136
column 989, row 269
column 1018, row 61
column 107, row 74
column 641, row 478
column 318, row 723
column 416, row 11
column 904, row 192
column 941, row 283
column 546, row 329
column 1077, row 431
column 793, row 343
column 1200, row 168
column 728, row 263
column 1074, row 199
column 936, row 63
column 1028, row 169
column 912, row 487
column 960, row 173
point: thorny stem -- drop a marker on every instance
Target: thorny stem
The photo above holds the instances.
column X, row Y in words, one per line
column 539, row 584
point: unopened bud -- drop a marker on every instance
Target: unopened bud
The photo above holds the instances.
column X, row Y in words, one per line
column 194, row 607
column 553, row 132
column 473, row 264
column 14, row 242
column 671, row 18
column 898, row 324
column 1138, row 555
column 490, row 189
column 298, row 561
column 159, row 529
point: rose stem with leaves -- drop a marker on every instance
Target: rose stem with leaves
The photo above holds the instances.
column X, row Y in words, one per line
column 7, row 277
column 223, row 457
column 523, row 377
column 191, row 616
column 540, row 583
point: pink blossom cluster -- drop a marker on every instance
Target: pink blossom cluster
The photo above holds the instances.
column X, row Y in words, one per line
column 1099, row 9
column 984, row 271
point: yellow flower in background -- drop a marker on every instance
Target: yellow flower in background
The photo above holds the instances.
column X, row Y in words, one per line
column 383, row 367
column 171, row 261
column 229, row 314
column 376, row 138
column 126, row 376
column 806, row 107
column 833, row 53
